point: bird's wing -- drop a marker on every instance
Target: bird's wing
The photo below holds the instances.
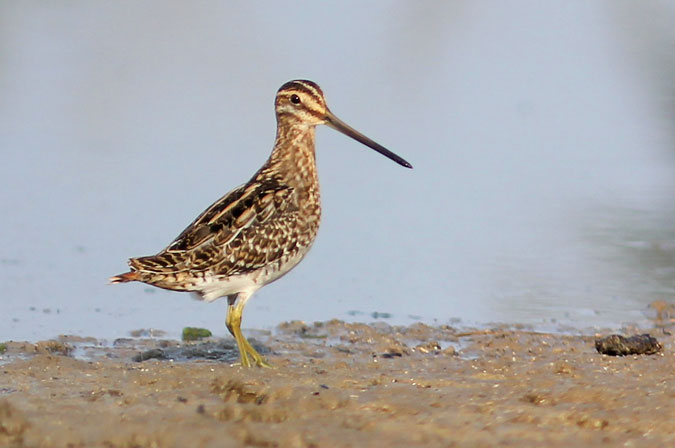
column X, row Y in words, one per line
column 235, row 235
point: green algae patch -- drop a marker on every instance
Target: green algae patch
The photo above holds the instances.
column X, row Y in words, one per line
column 195, row 333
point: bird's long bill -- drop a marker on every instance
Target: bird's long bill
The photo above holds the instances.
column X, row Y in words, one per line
column 339, row 125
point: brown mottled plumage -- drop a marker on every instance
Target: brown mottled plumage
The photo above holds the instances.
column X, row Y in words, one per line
column 259, row 231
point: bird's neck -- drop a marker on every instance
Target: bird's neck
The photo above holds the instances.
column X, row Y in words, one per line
column 292, row 163
column 293, row 157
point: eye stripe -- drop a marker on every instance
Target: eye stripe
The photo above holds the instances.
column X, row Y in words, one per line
column 310, row 95
column 306, row 110
column 310, row 87
column 307, row 87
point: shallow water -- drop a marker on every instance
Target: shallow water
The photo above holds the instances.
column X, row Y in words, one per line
column 541, row 136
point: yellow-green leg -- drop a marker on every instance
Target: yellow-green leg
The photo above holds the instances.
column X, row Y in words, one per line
column 233, row 322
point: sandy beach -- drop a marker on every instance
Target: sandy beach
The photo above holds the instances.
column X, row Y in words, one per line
column 339, row 385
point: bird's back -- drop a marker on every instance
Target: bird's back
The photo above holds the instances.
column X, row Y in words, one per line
column 257, row 231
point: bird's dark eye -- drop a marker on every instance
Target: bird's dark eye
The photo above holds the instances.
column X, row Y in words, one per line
column 295, row 99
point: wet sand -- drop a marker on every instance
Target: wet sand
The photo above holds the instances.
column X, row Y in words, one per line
column 340, row 385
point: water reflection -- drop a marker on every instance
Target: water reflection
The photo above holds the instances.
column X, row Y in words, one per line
column 543, row 159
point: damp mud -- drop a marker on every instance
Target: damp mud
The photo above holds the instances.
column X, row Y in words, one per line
column 337, row 384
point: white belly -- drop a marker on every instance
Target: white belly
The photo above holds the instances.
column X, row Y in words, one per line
column 214, row 287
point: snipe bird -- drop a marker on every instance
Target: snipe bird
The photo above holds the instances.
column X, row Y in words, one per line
column 259, row 231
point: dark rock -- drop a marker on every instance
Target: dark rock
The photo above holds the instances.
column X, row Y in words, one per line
column 617, row 345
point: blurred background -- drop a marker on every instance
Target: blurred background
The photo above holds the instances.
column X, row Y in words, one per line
column 542, row 136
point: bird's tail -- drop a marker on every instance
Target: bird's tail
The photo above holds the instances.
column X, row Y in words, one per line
column 126, row 277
